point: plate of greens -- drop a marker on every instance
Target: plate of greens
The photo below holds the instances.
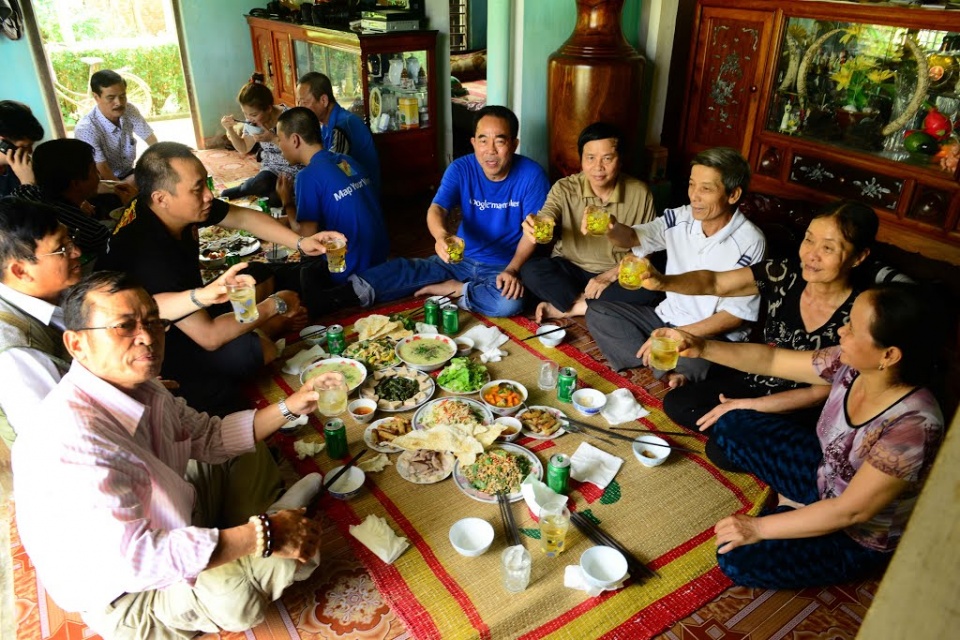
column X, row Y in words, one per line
column 398, row 389
column 463, row 376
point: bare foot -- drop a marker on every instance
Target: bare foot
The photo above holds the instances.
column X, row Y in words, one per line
column 445, row 288
column 784, row 501
column 675, row 380
column 545, row 310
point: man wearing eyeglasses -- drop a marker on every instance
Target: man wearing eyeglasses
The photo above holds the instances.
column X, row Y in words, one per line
column 156, row 551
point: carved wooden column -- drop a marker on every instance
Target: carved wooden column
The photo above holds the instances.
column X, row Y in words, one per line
column 595, row 75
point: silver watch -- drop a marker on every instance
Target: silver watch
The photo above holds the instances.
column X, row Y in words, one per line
column 280, row 302
column 288, row 415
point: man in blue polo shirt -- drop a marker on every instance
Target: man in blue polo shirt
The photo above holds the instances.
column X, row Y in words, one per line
column 495, row 189
column 340, row 130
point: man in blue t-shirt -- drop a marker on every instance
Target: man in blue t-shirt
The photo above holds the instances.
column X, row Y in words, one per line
column 332, row 193
column 495, row 190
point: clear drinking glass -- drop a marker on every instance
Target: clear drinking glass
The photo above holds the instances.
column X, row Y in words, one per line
column 515, row 564
column 243, row 297
column 631, row 272
column 455, row 247
column 598, row 219
column 336, row 255
column 543, row 228
column 333, row 396
column 664, row 353
column 548, row 375
column 554, row 522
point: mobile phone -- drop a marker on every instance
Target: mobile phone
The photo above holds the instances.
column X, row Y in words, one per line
column 6, row 145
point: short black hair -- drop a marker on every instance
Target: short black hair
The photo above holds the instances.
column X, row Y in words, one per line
column 318, row 83
column 56, row 163
column 301, row 121
column 23, row 224
column 904, row 316
column 732, row 166
column 76, row 311
column 599, row 131
column 503, row 113
column 17, row 122
column 105, row 78
column 153, row 170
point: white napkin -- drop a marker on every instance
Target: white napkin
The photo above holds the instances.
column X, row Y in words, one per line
column 295, row 365
column 573, row 578
column 423, row 327
column 589, row 464
column 538, row 495
column 376, row 535
column 305, row 449
column 487, row 341
column 280, row 345
column 621, row 407
column 375, row 464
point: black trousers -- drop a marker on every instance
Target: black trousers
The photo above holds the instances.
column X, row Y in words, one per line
column 262, row 184
column 560, row 282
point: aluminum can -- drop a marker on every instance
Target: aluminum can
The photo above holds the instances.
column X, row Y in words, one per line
column 566, row 384
column 335, row 342
column 558, row 473
column 232, row 259
column 211, row 186
column 335, row 433
column 264, row 204
column 451, row 319
column 431, row 312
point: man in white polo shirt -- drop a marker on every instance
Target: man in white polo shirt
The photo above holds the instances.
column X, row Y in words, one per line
column 709, row 233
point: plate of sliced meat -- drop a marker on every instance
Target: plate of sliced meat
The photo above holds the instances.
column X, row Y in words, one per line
column 424, row 466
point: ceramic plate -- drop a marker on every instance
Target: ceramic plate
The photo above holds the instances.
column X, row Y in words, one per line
column 464, row 485
column 352, row 370
column 539, row 436
column 478, row 409
column 403, row 468
column 382, row 447
column 426, row 385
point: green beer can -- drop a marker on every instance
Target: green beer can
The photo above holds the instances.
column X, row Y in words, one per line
column 558, row 473
column 431, row 312
column 335, row 341
column 264, row 204
column 451, row 319
column 566, row 384
column 335, row 433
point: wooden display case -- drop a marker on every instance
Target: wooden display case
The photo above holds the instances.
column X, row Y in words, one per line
column 830, row 100
column 401, row 111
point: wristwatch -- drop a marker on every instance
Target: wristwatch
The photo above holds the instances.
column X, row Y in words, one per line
column 288, row 415
column 280, row 302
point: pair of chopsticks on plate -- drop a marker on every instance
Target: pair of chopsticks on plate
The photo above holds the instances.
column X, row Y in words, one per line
column 509, row 524
column 545, row 333
column 336, row 476
column 597, row 536
column 442, row 300
column 578, row 427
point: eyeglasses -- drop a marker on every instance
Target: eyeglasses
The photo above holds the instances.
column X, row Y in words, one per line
column 67, row 248
column 130, row 328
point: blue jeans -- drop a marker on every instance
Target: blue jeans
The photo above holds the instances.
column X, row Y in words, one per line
column 402, row 277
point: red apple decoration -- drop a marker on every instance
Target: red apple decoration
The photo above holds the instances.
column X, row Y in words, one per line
column 936, row 124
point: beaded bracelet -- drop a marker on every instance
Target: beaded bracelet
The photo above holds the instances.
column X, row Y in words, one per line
column 258, row 525
column 264, row 535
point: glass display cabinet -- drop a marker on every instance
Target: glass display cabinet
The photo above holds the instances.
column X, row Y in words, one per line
column 835, row 100
column 387, row 79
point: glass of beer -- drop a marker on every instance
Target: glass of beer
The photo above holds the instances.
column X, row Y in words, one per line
column 454, row 249
column 336, row 255
column 543, row 228
column 554, row 522
column 333, row 395
column 631, row 273
column 664, row 353
column 243, row 297
column 598, row 219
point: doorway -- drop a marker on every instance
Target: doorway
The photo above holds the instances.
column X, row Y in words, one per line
column 138, row 39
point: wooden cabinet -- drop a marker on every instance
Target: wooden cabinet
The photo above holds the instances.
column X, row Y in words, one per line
column 825, row 99
column 388, row 79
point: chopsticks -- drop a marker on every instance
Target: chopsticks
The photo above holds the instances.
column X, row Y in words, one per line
column 545, row 333
column 509, row 524
column 314, row 334
column 337, row 475
column 592, row 531
column 620, row 436
column 442, row 300
column 654, row 432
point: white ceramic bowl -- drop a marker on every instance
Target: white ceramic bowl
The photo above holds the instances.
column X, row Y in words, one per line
column 317, row 334
column 503, row 411
column 365, row 403
column 213, row 263
column 464, row 346
column 650, row 456
column 510, row 423
column 348, row 485
column 603, row 567
column 427, row 336
column 471, row 537
column 589, row 401
column 554, row 338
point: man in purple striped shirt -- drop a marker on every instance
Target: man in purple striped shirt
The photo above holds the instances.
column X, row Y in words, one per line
column 111, row 509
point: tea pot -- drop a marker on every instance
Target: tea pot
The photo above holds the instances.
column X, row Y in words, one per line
column 413, row 67
column 396, row 69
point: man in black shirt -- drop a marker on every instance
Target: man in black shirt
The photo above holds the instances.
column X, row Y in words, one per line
column 19, row 129
column 156, row 242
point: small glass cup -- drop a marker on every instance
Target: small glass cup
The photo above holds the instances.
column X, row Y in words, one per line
column 515, row 564
column 455, row 248
column 664, row 353
column 336, row 255
column 543, row 228
column 631, row 273
column 549, row 371
column 554, row 522
column 598, row 219
column 333, row 392
column 243, row 297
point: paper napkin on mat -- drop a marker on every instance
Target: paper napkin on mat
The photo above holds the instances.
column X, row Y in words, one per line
column 376, row 535
column 573, row 578
column 375, row 464
column 423, row 327
column 538, row 495
column 589, row 464
column 621, row 407
column 487, row 341
column 296, row 364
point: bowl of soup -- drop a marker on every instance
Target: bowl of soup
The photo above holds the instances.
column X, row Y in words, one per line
column 426, row 351
column 353, row 371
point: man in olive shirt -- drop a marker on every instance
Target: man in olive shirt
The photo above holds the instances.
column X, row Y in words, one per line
column 584, row 267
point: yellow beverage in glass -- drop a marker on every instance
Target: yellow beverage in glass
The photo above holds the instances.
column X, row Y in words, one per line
column 664, row 354
column 244, row 301
column 553, row 530
column 631, row 273
column 598, row 219
column 454, row 249
column 336, row 255
column 543, row 228
column 332, row 402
